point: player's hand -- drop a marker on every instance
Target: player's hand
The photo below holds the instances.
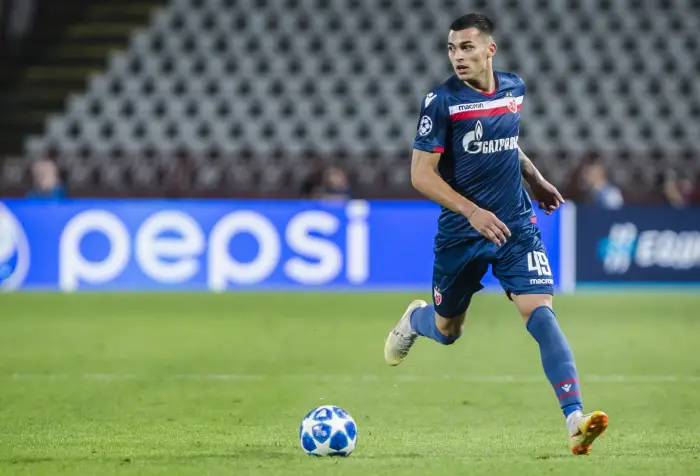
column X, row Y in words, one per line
column 547, row 196
column 488, row 225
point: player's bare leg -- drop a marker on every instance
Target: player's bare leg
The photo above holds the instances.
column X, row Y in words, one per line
column 420, row 319
column 560, row 368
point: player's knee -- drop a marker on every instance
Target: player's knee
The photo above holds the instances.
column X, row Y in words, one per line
column 527, row 303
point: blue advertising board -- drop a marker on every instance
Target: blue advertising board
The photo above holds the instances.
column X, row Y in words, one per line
column 220, row 245
column 638, row 245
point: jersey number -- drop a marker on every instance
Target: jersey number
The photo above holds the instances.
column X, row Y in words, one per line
column 537, row 261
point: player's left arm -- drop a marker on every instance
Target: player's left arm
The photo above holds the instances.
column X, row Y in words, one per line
column 546, row 194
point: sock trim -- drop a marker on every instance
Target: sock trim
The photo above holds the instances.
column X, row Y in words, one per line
column 564, row 382
column 529, row 319
column 570, row 409
column 564, row 395
column 445, row 339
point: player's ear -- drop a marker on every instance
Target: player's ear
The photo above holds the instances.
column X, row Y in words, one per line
column 492, row 49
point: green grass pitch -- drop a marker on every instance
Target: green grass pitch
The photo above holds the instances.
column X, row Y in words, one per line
column 204, row 384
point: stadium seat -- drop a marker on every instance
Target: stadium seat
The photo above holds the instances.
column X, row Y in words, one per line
column 247, row 77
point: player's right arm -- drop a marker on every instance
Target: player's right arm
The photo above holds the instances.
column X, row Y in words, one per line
column 426, row 180
column 427, row 148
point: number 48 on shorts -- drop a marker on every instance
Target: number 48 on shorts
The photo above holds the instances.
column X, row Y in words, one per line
column 537, row 262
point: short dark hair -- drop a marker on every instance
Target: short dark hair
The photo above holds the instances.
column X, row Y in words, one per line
column 473, row 20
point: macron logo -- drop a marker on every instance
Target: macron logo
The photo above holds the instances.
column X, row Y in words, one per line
column 566, row 387
column 429, row 98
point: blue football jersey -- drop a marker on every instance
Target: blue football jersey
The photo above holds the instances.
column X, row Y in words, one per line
column 477, row 135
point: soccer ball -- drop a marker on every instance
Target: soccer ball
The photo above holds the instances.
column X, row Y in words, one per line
column 328, row 431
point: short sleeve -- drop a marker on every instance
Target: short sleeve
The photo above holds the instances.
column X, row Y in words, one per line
column 432, row 124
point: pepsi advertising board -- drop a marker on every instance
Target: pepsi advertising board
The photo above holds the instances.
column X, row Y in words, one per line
column 638, row 245
column 223, row 245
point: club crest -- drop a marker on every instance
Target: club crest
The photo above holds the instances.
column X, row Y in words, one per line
column 438, row 295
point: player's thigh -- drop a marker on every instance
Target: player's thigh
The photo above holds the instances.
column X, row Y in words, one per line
column 522, row 267
column 457, row 274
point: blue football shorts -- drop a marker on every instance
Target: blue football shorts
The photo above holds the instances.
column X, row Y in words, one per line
column 521, row 266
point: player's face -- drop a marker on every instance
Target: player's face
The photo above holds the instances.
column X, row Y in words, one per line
column 469, row 51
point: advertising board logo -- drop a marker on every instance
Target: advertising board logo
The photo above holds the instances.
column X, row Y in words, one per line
column 170, row 247
column 617, row 250
column 626, row 245
column 14, row 251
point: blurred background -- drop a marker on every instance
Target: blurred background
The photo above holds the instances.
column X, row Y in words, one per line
column 318, row 99
column 299, row 98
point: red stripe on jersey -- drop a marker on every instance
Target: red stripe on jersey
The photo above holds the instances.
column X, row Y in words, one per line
column 533, row 219
column 438, row 149
column 497, row 111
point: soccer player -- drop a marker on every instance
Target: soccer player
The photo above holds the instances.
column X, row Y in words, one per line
column 466, row 158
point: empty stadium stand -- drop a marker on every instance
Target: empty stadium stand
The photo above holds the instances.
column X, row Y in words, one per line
column 242, row 96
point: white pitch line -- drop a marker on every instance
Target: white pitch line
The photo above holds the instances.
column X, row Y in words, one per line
column 403, row 378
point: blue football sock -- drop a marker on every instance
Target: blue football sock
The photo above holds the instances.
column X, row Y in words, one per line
column 423, row 324
column 557, row 358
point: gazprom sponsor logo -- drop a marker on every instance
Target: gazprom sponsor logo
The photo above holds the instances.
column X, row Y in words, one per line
column 473, row 144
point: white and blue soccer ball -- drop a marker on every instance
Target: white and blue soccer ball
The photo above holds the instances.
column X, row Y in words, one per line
column 328, row 431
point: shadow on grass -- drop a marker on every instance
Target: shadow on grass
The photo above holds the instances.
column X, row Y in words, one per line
column 30, row 459
column 552, row 456
column 252, row 454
